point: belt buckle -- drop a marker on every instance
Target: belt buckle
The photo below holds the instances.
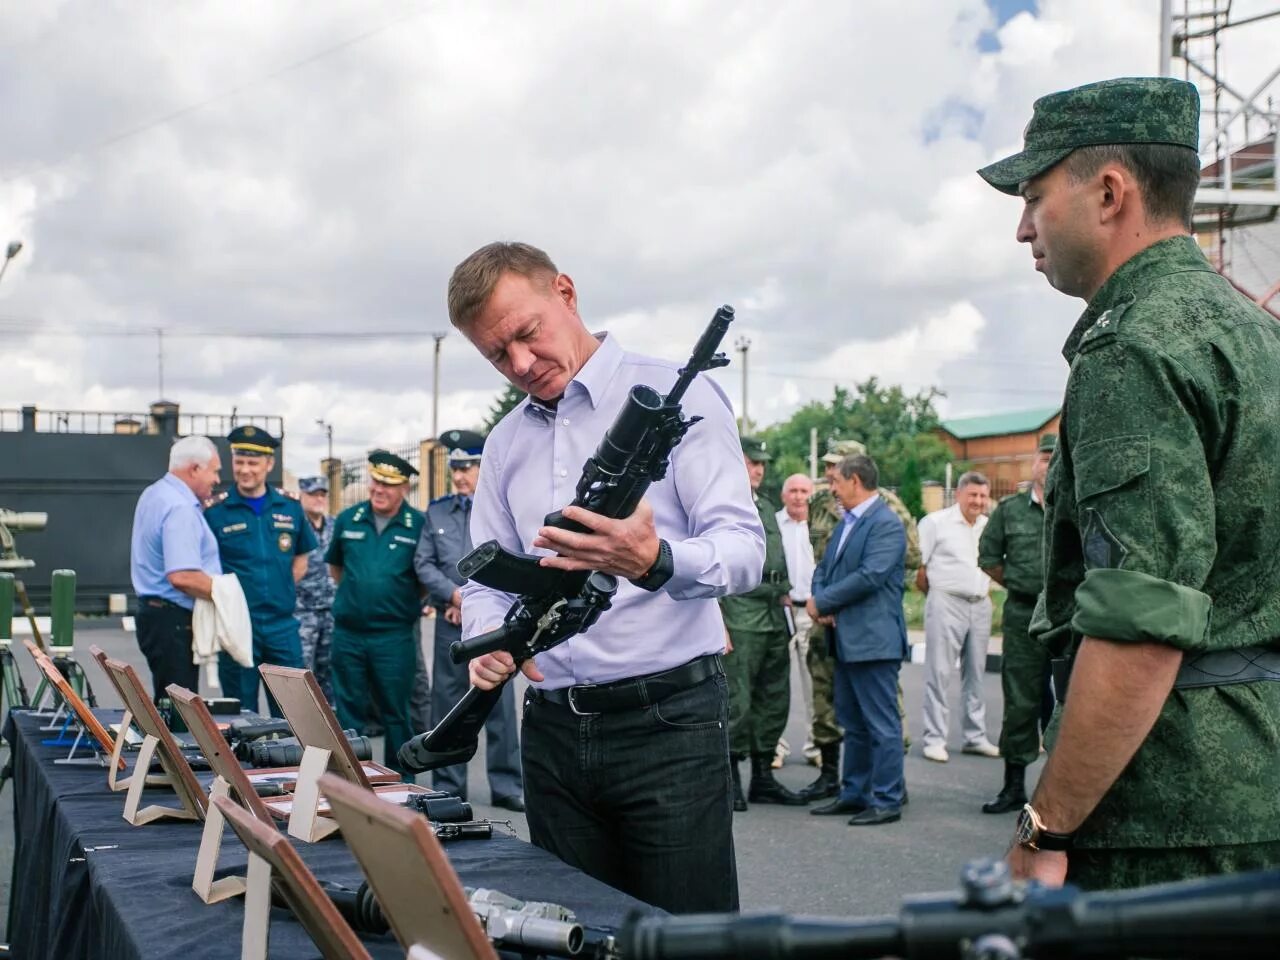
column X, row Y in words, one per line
column 573, row 703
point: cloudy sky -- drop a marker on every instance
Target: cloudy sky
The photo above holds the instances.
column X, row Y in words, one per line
column 283, row 188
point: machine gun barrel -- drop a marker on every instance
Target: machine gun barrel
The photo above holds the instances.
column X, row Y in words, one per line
column 1232, row 916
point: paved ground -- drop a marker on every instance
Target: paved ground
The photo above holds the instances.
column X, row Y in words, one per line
column 787, row 860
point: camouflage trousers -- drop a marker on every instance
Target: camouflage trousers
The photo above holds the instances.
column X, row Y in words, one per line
column 759, row 676
column 822, row 668
column 1023, row 674
column 1095, row 869
column 315, row 629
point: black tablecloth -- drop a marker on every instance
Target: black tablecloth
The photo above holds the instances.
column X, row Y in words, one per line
column 87, row 884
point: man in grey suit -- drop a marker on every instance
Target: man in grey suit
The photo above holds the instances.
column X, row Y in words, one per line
column 857, row 593
column 446, row 539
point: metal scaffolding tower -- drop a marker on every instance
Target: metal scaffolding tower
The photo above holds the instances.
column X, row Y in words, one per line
column 1238, row 199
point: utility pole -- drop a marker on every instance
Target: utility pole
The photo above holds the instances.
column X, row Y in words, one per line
column 160, row 361
column 743, row 346
column 328, row 432
column 435, row 387
column 1165, row 63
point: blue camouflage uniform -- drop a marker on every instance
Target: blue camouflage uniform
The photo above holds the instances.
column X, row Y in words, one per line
column 259, row 547
column 314, row 612
column 445, row 540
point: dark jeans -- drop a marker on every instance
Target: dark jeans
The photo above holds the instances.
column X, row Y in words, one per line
column 164, row 636
column 639, row 799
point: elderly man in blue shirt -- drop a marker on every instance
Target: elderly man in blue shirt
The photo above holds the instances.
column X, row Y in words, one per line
column 626, row 756
column 173, row 559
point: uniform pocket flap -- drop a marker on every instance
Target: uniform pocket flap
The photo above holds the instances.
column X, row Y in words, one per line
column 1103, row 465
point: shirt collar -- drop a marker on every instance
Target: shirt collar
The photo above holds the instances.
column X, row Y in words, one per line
column 1132, row 278
column 181, row 487
column 593, row 379
column 861, row 509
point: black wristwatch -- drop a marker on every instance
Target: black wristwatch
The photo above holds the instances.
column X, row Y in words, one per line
column 1030, row 833
column 660, row 572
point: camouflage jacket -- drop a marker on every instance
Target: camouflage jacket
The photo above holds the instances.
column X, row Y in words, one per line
column 761, row 609
column 1013, row 539
column 1160, row 509
column 316, row 588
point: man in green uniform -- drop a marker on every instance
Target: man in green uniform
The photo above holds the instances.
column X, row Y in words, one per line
column 758, row 668
column 824, row 515
column 378, row 603
column 263, row 538
column 1011, row 553
column 1160, row 509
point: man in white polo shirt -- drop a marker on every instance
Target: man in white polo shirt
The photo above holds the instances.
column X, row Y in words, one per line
column 793, row 524
column 957, row 616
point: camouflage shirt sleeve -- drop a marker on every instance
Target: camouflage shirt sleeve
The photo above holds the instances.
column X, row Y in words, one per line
column 991, row 546
column 1144, row 503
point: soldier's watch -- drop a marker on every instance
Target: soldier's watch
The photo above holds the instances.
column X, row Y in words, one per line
column 1029, row 832
column 661, row 571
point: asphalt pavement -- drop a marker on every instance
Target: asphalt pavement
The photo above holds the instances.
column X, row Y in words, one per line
column 788, row 860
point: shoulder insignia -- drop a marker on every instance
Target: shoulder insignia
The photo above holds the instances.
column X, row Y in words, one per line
column 1104, row 328
column 216, row 499
column 444, row 499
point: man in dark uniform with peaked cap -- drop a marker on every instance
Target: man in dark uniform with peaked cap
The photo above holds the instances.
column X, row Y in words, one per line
column 446, row 539
column 263, row 538
column 377, row 604
column 1160, row 509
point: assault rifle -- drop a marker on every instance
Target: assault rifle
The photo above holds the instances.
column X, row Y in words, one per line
column 994, row 919
column 553, row 605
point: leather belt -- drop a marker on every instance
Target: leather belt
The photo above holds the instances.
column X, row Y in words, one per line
column 1019, row 597
column 1217, row 668
column 774, row 576
column 587, row 699
column 158, row 602
column 967, row 597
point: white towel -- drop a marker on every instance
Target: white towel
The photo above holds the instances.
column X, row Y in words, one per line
column 222, row 624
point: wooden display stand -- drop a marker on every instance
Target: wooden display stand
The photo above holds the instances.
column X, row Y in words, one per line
column 156, row 737
column 115, row 782
column 87, row 723
column 409, row 874
column 326, row 748
column 272, row 859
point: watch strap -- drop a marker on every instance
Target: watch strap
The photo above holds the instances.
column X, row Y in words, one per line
column 662, row 570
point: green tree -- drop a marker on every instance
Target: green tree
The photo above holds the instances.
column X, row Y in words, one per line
column 896, row 428
column 503, row 404
column 910, row 490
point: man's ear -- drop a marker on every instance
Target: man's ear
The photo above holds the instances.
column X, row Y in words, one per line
column 1116, row 191
column 565, row 290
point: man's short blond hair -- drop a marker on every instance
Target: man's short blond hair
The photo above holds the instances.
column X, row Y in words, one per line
column 474, row 278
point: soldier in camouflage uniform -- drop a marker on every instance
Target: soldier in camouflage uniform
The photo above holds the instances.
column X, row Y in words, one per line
column 758, row 668
column 314, row 610
column 1010, row 553
column 1160, row 509
column 824, row 515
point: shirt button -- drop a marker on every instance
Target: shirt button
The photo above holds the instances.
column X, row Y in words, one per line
column 565, row 421
column 564, row 473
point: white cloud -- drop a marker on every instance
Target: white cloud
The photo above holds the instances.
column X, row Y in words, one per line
column 810, row 163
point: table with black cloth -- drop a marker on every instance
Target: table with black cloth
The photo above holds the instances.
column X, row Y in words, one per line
column 87, row 884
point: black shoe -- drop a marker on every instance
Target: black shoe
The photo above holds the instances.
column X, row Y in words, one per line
column 874, row 816
column 765, row 789
column 1013, row 795
column 827, row 784
column 905, row 799
column 836, row 807
column 513, row 803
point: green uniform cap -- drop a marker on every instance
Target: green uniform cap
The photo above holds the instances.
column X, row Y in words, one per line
column 386, row 467
column 1048, row 442
column 837, row 450
column 1128, row 110
column 755, row 450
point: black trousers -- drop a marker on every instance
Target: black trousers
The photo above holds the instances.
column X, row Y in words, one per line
column 164, row 636
column 639, row 799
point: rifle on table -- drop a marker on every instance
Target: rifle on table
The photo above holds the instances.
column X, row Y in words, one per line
column 553, row 605
column 994, row 919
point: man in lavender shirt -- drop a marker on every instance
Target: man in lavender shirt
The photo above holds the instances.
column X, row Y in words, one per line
column 625, row 749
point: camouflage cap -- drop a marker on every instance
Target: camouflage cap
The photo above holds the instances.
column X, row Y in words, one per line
column 756, row 450
column 837, row 450
column 1048, row 442
column 1128, row 110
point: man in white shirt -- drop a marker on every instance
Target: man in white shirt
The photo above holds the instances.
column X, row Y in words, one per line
column 793, row 523
column 957, row 616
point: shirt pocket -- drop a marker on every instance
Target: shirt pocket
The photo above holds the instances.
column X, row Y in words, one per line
column 1113, row 500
